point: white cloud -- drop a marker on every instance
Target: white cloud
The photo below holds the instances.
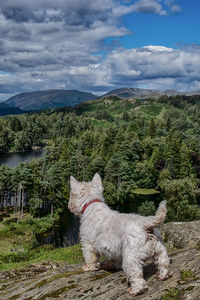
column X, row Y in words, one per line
column 157, row 48
column 149, row 6
column 141, row 6
column 161, row 66
column 174, row 7
column 155, row 67
column 58, row 44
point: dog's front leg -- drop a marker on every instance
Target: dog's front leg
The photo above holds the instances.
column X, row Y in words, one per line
column 91, row 257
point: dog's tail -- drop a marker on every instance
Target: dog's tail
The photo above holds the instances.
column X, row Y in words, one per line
column 158, row 219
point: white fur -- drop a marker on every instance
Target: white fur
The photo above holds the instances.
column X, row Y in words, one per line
column 128, row 239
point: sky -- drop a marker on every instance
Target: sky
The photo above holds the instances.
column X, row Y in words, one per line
column 99, row 45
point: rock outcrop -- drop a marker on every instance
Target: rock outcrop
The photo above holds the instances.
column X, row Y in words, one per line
column 70, row 282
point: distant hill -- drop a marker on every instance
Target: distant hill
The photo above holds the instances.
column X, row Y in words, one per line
column 5, row 109
column 128, row 93
column 192, row 93
column 171, row 93
column 133, row 93
column 48, row 99
column 41, row 100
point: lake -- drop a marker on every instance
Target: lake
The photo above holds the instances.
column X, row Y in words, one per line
column 13, row 159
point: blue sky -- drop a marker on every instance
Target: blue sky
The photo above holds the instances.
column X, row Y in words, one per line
column 99, row 45
column 172, row 30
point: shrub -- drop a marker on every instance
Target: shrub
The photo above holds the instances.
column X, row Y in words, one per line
column 181, row 201
column 147, row 208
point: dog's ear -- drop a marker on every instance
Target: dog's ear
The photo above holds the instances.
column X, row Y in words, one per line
column 97, row 181
column 73, row 183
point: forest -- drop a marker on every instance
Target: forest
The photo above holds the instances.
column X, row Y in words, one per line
column 145, row 150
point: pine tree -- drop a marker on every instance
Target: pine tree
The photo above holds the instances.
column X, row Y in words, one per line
column 157, row 158
column 185, row 161
column 125, row 116
column 151, row 131
column 172, row 154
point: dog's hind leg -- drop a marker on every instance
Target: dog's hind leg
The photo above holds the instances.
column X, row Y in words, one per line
column 90, row 256
column 162, row 260
column 133, row 270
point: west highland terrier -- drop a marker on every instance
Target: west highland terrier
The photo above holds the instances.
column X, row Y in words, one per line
column 126, row 238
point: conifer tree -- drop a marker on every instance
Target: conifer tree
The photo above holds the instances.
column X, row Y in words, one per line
column 172, row 154
column 185, row 161
column 151, row 131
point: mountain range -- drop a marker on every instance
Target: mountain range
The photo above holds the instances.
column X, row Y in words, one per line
column 128, row 93
column 40, row 100
column 48, row 99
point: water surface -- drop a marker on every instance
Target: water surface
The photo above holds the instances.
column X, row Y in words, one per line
column 13, row 159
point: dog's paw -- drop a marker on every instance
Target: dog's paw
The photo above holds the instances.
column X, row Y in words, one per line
column 87, row 268
column 164, row 277
column 135, row 292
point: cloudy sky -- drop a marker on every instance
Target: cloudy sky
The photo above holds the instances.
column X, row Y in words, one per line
column 98, row 45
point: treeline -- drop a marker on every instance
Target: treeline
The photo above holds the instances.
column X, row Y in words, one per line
column 138, row 146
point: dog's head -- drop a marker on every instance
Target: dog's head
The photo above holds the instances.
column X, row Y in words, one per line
column 82, row 193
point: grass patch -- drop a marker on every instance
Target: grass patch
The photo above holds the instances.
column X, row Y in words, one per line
column 145, row 192
column 5, row 246
column 70, row 255
column 187, row 276
column 173, row 294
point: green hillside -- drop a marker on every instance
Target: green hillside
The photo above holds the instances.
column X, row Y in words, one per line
column 116, row 107
column 134, row 144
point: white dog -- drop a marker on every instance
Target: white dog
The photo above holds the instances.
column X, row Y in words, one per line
column 127, row 238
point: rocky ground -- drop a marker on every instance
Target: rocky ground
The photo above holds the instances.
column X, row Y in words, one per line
column 51, row 281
